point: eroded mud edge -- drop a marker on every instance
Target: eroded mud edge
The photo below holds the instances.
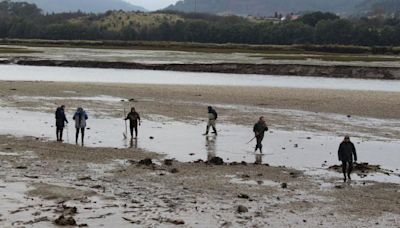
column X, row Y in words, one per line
column 387, row 73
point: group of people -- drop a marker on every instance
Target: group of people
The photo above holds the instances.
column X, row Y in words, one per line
column 346, row 153
column 80, row 118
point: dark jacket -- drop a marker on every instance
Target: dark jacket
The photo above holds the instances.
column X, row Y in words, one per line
column 260, row 128
column 133, row 117
column 214, row 113
column 60, row 118
column 347, row 151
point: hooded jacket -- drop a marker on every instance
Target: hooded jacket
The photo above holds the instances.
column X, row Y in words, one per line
column 347, row 151
column 212, row 114
column 60, row 117
column 80, row 118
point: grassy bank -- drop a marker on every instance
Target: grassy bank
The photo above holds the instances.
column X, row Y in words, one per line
column 209, row 48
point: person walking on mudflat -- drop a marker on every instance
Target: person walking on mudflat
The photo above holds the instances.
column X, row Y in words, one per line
column 60, row 122
column 259, row 129
column 346, row 153
column 134, row 120
column 80, row 118
column 212, row 119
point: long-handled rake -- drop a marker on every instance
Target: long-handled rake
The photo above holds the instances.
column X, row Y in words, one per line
column 126, row 127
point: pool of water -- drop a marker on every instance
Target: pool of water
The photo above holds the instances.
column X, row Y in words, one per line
column 61, row 74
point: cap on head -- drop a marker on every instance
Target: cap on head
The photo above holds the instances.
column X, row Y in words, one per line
column 133, row 109
column 346, row 137
column 62, row 106
column 262, row 118
column 209, row 107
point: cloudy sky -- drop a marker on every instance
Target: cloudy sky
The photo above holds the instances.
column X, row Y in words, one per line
column 152, row 4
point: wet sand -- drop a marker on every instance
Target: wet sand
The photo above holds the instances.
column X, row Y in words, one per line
column 109, row 191
column 362, row 103
column 111, row 188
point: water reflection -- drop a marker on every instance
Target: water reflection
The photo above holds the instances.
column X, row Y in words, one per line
column 259, row 158
column 133, row 143
column 211, row 147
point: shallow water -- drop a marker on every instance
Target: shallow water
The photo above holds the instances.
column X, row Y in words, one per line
column 184, row 142
column 65, row 74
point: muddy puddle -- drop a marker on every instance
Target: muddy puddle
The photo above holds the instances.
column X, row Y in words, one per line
column 39, row 73
column 310, row 151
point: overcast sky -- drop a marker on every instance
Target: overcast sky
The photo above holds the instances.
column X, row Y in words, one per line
column 152, row 4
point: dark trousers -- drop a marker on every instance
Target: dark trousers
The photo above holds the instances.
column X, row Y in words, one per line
column 259, row 139
column 134, row 126
column 77, row 134
column 59, row 133
column 347, row 168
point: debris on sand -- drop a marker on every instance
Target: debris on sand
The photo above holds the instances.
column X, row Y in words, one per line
column 65, row 221
column 84, row 178
column 294, row 174
column 216, row 161
column 362, row 169
column 284, row 185
column 32, row 177
column 21, row 167
column 146, row 161
column 243, row 196
column 66, row 210
column 242, row 209
column 176, row 221
column 37, row 220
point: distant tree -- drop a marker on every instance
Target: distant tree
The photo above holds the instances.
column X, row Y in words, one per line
column 312, row 19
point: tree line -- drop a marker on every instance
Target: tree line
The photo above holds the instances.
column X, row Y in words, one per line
column 23, row 20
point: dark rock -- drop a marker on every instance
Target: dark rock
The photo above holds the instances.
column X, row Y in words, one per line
column 176, row 221
column 243, row 196
column 33, row 177
column 65, row 221
column 83, row 225
column 308, row 137
column 245, row 176
column 84, row 178
column 216, row 161
column 242, row 209
column 348, row 116
column 21, row 167
column 69, row 210
column 97, row 186
column 132, row 100
column 198, row 161
column 174, row 170
column 168, row 162
column 146, row 161
column 243, row 163
column 284, row 185
column 191, row 154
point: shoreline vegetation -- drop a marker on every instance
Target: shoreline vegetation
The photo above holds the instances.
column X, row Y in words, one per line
column 228, row 48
